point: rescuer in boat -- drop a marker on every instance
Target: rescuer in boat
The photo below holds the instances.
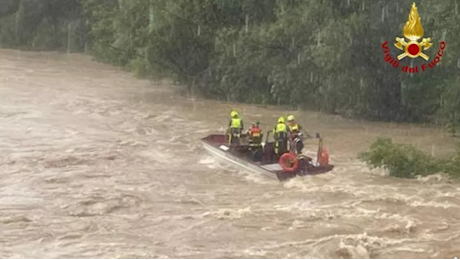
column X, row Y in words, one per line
column 255, row 136
column 236, row 127
column 295, row 131
column 280, row 134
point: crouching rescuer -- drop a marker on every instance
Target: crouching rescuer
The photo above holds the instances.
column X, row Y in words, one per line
column 255, row 142
column 295, row 136
column 255, row 136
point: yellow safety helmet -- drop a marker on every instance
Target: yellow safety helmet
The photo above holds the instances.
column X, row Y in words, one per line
column 234, row 114
column 281, row 120
column 291, row 118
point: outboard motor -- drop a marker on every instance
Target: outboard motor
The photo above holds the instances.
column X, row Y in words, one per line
column 257, row 155
column 322, row 154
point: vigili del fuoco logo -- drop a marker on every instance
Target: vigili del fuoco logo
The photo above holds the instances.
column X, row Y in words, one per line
column 413, row 48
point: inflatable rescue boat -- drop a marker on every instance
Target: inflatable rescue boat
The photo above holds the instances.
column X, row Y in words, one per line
column 264, row 160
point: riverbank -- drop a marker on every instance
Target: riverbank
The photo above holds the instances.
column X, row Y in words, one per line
column 344, row 134
column 86, row 172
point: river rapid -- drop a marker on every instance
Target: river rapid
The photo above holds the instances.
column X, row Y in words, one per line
column 98, row 164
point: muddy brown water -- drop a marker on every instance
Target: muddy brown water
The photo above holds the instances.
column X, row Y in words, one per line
column 98, row 164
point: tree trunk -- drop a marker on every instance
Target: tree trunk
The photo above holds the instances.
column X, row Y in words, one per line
column 69, row 37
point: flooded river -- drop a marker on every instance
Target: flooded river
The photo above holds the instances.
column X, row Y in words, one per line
column 98, row 164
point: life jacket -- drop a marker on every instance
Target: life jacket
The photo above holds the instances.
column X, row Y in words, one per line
column 236, row 123
column 294, row 131
column 256, row 131
column 280, row 131
column 255, row 136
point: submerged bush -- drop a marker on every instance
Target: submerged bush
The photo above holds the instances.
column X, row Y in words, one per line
column 404, row 161
column 452, row 166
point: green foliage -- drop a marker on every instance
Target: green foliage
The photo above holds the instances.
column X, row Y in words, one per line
column 452, row 166
column 400, row 160
column 101, row 16
column 315, row 54
column 43, row 25
column 405, row 161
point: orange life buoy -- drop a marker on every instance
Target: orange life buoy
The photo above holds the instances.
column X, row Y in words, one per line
column 289, row 162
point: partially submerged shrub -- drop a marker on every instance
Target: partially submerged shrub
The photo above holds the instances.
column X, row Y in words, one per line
column 401, row 160
column 452, row 166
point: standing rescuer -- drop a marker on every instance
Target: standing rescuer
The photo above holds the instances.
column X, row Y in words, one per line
column 235, row 128
column 280, row 134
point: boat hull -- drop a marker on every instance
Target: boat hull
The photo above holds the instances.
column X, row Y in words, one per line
column 233, row 160
column 217, row 146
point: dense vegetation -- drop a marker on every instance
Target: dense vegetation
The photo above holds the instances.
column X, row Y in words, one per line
column 315, row 54
column 405, row 161
column 42, row 25
column 318, row 54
